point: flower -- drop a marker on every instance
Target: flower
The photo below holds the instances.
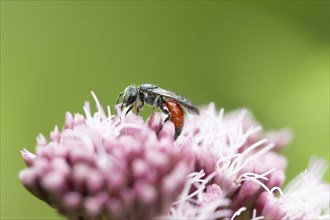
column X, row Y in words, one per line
column 106, row 167
column 222, row 166
column 195, row 203
column 305, row 197
column 223, row 143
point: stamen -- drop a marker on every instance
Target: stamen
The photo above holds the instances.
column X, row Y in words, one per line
column 278, row 189
column 252, row 157
column 238, row 212
column 98, row 105
column 254, row 215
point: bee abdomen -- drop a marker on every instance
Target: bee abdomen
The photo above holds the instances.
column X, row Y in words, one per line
column 177, row 114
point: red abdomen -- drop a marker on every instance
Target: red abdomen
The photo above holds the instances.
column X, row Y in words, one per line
column 176, row 115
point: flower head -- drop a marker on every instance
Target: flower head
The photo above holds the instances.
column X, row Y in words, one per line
column 223, row 143
column 104, row 166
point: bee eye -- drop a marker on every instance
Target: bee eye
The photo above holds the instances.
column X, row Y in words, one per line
column 131, row 95
column 131, row 99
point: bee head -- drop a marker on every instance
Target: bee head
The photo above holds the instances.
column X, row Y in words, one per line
column 130, row 95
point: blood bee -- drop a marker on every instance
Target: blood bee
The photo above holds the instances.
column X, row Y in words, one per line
column 169, row 102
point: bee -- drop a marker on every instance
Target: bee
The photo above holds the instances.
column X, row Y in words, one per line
column 170, row 103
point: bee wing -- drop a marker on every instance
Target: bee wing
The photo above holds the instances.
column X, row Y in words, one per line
column 191, row 108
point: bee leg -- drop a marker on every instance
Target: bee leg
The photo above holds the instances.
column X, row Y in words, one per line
column 139, row 107
column 167, row 118
column 157, row 103
column 129, row 109
column 120, row 95
column 141, row 98
column 166, row 112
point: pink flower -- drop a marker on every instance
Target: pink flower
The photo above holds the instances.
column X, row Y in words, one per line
column 199, row 201
column 305, row 197
column 222, row 166
column 223, row 144
column 109, row 167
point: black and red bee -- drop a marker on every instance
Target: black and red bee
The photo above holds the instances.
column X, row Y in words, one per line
column 169, row 102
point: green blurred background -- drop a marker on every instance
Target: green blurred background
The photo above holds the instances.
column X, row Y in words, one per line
column 271, row 57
